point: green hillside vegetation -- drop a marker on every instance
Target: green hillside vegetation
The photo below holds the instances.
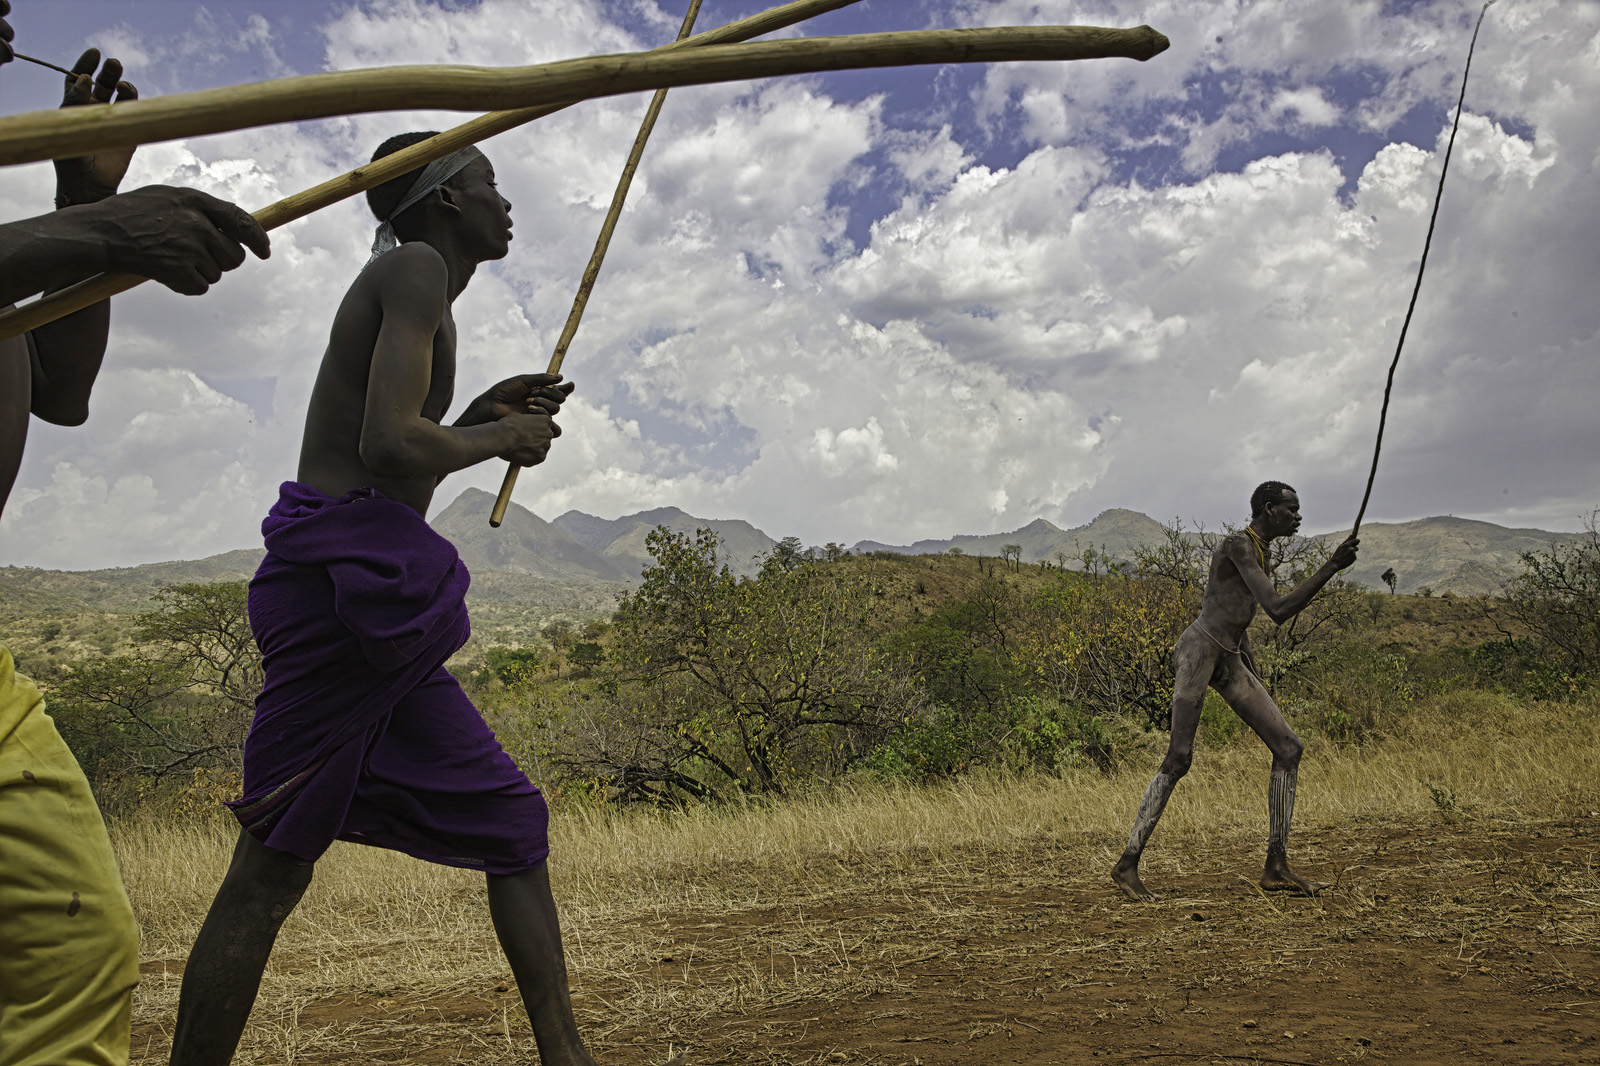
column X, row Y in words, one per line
column 704, row 683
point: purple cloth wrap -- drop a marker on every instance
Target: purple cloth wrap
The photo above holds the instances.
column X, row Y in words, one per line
column 360, row 733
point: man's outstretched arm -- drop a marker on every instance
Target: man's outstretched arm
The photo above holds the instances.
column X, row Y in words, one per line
column 183, row 238
column 1282, row 607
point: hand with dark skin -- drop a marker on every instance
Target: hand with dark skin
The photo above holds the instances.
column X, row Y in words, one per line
column 376, row 419
column 1215, row 651
column 180, row 237
column 7, row 34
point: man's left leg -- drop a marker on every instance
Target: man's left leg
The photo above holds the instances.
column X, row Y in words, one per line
column 1249, row 699
column 524, row 914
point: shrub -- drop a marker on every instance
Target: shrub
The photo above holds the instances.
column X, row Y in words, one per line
column 1355, row 692
column 1557, row 597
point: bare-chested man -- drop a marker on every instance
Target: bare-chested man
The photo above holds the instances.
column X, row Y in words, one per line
column 360, row 734
column 1215, row 650
column 69, row 950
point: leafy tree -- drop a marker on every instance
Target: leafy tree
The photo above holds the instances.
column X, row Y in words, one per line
column 183, row 702
column 715, row 682
column 514, row 666
column 787, row 554
column 586, row 655
column 1106, row 643
column 1557, row 597
column 963, row 652
column 559, row 633
column 1389, row 578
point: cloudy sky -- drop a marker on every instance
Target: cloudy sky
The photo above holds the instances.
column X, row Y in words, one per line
column 902, row 304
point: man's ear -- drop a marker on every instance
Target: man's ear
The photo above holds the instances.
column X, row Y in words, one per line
column 447, row 198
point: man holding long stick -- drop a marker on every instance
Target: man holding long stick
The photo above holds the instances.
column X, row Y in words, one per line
column 360, row 734
column 1215, row 651
column 68, row 944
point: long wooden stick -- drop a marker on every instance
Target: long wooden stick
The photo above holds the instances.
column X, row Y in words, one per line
column 1438, row 197
column 42, row 63
column 76, row 131
column 592, row 272
column 574, row 80
column 93, row 290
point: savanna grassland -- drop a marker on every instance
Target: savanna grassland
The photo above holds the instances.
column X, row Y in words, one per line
column 862, row 809
column 974, row 918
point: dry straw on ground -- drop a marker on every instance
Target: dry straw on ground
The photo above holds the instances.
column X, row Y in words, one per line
column 714, row 926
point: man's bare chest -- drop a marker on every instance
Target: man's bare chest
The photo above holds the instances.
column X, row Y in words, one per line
column 442, row 380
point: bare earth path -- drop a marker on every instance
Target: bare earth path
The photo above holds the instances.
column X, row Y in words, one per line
column 1444, row 941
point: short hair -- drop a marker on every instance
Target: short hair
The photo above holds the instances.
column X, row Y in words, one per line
column 386, row 197
column 1267, row 494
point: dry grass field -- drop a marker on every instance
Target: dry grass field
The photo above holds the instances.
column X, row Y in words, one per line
column 974, row 922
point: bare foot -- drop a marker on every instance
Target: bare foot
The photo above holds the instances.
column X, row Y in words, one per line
column 1283, row 879
column 1126, row 877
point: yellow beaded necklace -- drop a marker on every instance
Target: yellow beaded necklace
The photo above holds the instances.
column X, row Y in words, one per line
column 1261, row 548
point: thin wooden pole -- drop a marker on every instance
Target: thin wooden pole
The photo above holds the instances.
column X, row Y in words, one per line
column 101, row 287
column 591, row 273
column 42, row 63
column 1438, row 197
column 76, row 131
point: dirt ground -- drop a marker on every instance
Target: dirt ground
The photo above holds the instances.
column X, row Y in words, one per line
column 1445, row 941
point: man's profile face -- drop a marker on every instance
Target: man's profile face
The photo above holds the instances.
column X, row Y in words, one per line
column 485, row 215
column 1283, row 517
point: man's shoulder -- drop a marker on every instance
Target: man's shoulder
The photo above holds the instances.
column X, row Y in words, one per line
column 416, row 270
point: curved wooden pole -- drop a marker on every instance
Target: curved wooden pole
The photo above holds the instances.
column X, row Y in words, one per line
column 76, row 131
column 591, row 273
column 104, row 286
column 1422, row 265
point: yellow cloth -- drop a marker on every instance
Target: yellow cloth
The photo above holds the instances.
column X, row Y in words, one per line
column 69, row 949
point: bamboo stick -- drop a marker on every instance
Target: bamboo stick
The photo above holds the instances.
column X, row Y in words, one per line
column 104, row 286
column 591, row 273
column 76, row 131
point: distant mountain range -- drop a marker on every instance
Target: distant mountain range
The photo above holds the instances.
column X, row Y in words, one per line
column 577, row 561
column 1118, row 532
column 578, row 546
column 1444, row 554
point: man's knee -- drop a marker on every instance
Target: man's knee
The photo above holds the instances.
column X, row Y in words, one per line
column 1176, row 764
column 1286, row 753
column 266, row 881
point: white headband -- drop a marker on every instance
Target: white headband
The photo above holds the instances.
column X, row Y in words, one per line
column 433, row 175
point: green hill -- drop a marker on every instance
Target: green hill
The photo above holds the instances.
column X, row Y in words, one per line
column 1445, row 554
column 623, row 540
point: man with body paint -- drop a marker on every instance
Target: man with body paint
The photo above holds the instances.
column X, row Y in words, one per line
column 1215, row 651
column 69, row 949
column 360, row 733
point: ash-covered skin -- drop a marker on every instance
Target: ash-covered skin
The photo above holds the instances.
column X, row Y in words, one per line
column 1215, row 651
